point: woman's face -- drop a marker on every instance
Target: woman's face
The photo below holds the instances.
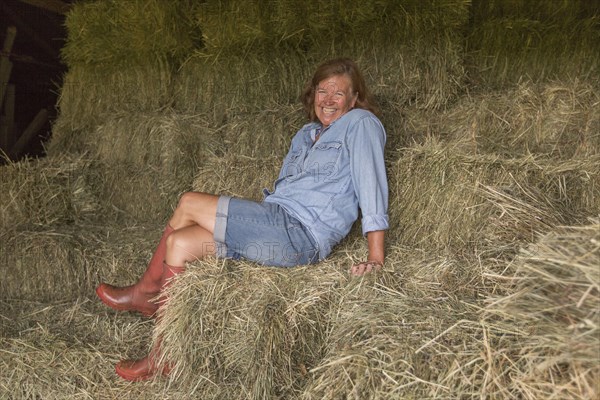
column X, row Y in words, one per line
column 333, row 98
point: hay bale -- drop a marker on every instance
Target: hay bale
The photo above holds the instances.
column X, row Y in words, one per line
column 91, row 94
column 243, row 343
column 385, row 339
column 538, row 338
column 266, row 133
column 541, row 339
column 237, row 175
column 45, row 191
column 400, row 75
column 540, row 40
column 71, row 189
column 116, row 33
column 444, row 200
column 311, row 24
column 224, row 85
column 143, row 161
column 66, row 261
column 409, row 72
column 410, row 51
column 169, row 143
column 290, row 335
column 67, row 350
column 554, row 119
column 130, row 194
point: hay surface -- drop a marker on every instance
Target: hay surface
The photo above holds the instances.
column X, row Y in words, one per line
column 45, row 192
column 228, row 25
column 238, row 175
column 91, row 94
column 65, row 189
column 116, row 33
column 225, row 85
column 540, row 40
column 169, row 144
column 67, row 350
column 444, row 200
column 58, row 263
column 256, row 343
column 559, row 120
column 409, row 51
column 142, row 161
column 541, row 340
column 485, row 292
column 403, row 74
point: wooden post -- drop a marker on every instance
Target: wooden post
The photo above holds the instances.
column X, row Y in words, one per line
column 5, row 64
column 33, row 128
column 7, row 121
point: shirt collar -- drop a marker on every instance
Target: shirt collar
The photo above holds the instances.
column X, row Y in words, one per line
column 316, row 126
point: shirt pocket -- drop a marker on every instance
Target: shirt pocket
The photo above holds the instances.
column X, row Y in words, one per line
column 293, row 164
column 324, row 159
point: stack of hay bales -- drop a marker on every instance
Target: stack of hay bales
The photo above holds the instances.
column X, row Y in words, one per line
column 116, row 102
column 118, row 154
column 494, row 200
column 533, row 39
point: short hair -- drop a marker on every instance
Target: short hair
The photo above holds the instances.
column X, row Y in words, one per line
column 336, row 67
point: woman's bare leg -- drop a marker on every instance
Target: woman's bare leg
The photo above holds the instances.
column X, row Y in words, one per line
column 192, row 239
column 194, row 223
column 195, row 208
column 189, row 244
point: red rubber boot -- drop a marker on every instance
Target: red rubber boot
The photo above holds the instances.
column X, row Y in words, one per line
column 169, row 272
column 142, row 369
column 145, row 368
column 137, row 297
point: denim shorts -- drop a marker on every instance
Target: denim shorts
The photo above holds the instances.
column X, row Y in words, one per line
column 262, row 232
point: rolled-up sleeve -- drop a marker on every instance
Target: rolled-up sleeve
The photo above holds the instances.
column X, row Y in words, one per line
column 366, row 145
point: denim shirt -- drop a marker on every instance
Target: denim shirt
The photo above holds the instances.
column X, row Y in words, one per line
column 324, row 183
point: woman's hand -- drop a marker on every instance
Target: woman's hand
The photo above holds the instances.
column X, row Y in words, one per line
column 365, row 267
column 375, row 257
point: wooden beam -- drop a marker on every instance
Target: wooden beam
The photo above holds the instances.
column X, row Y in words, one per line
column 5, row 64
column 9, row 40
column 25, row 59
column 56, row 6
column 27, row 30
column 5, row 69
column 7, row 120
column 33, row 128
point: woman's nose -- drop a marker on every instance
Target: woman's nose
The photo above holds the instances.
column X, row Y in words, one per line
column 329, row 97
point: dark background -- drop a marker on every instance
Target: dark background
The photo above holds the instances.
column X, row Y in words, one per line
column 37, row 68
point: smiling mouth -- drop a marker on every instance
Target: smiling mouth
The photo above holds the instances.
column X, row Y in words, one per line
column 329, row 110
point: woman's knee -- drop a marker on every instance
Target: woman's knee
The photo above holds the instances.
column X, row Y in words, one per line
column 194, row 200
column 195, row 208
column 189, row 244
column 186, row 200
column 178, row 246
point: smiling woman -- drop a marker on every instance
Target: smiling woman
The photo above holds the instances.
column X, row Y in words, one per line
column 351, row 87
column 335, row 167
column 334, row 97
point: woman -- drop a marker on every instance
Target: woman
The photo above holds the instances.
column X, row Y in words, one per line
column 334, row 167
